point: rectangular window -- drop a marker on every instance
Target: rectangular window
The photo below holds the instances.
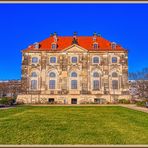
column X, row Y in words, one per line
column 114, row 84
column 114, row 60
column 54, row 46
column 95, row 59
column 33, row 84
column 34, row 60
column 52, row 84
column 73, row 84
column 52, row 59
column 74, row 59
column 95, row 46
column 96, row 85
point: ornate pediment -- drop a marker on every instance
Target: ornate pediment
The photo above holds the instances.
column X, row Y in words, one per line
column 74, row 49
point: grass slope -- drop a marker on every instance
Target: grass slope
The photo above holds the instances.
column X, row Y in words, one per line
column 73, row 125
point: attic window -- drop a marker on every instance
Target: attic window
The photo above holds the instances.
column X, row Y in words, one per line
column 113, row 45
column 36, row 45
column 54, row 46
column 95, row 45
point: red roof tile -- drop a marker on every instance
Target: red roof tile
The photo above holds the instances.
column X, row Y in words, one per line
column 83, row 41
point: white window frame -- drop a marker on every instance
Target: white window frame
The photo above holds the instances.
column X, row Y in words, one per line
column 53, row 57
column 52, row 78
column 34, row 62
column 53, row 44
column 114, row 57
column 72, row 57
column 94, row 46
column 97, row 57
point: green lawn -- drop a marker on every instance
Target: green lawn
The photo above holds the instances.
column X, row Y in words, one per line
column 73, row 125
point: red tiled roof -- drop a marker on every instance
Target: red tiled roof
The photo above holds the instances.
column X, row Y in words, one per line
column 83, row 41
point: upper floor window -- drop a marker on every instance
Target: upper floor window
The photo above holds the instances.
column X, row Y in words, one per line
column 114, row 74
column 74, row 59
column 96, row 85
column 34, row 60
column 33, row 84
column 95, row 46
column 52, row 84
column 33, row 74
column 114, row 59
column 113, row 45
column 52, row 59
column 114, row 84
column 52, row 74
column 73, row 84
column 95, row 59
column 73, row 74
column 95, row 74
column 54, row 46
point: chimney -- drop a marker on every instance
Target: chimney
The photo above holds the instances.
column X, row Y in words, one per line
column 55, row 37
column 94, row 36
column 75, row 41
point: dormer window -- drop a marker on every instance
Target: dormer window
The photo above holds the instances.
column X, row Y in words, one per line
column 113, row 45
column 36, row 45
column 54, row 46
column 95, row 45
column 94, row 36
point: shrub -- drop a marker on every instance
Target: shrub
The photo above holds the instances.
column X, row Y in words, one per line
column 7, row 101
column 124, row 101
column 141, row 103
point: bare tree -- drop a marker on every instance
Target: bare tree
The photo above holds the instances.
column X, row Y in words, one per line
column 141, row 80
column 10, row 88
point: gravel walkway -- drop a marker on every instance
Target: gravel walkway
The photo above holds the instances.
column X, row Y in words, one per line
column 134, row 107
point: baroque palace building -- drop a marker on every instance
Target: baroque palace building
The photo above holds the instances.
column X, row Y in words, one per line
column 74, row 70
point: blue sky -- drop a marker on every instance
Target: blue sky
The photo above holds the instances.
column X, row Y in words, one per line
column 24, row 24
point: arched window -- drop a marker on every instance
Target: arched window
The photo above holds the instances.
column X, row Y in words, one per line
column 95, row 74
column 33, row 74
column 34, row 60
column 95, row 84
column 114, row 59
column 52, row 59
column 114, row 74
column 73, row 74
column 95, row 59
column 36, row 45
column 52, row 74
column 52, row 84
column 73, row 84
column 113, row 45
column 33, row 84
column 95, row 46
column 114, row 84
column 54, row 46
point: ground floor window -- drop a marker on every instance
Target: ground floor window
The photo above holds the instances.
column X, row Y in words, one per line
column 96, row 100
column 74, row 101
column 99, row 100
column 51, row 100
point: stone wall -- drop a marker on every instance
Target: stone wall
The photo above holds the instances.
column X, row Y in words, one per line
column 63, row 67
